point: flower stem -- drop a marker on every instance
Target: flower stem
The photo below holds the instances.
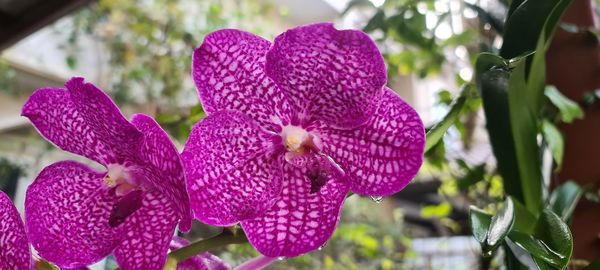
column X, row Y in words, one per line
column 223, row 239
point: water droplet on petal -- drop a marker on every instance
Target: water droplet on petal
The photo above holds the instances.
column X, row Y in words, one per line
column 377, row 199
column 281, row 258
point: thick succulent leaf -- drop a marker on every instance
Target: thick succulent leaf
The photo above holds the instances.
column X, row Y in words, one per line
column 501, row 225
column 493, row 86
column 536, row 248
column 564, row 199
column 524, row 127
column 480, row 224
column 556, row 235
column 538, row 15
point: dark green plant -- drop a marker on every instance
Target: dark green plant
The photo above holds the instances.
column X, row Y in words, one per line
column 9, row 175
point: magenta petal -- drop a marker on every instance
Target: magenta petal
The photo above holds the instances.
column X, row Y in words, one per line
column 384, row 155
column 14, row 245
column 66, row 211
column 327, row 74
column 231, row 174
column 84, row 121
column 228, row 69
column 300, row 221
column 167, row 173
column 257, row 263
column 149, row 231
column 204, row 261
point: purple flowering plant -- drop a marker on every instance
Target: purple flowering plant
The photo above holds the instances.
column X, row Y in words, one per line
column 293, row 126
column 76, row 215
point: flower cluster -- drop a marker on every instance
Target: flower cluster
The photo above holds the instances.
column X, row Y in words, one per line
column 292, row 127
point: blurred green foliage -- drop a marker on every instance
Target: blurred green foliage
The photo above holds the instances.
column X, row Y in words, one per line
column 9, row 175
column 150, row 44
column 7, row 78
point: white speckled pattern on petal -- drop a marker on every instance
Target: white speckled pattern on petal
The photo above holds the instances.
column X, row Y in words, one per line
column 66, row 212
column 300, row 221
column 84, row 121
column 384, row 155
column 166, row 170
column 327, row 74
column 148, row 234
column 14, row 245
column 230, row 172
column 229, row 72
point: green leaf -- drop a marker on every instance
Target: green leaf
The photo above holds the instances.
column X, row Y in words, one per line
column 436, row 211
column 480, row 224
column 376, row 22
column 555, row 234
column 568, row 109
column 536, row 248
column 536, row 15
column 500, row 226
column 436, row 133
column 524, row 220
column 71, row 62
column 563, row 200
column 473, row 176
column 492, row 81
column 555, row 141
column 523, row 120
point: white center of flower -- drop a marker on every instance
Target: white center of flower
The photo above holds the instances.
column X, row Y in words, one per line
column 295, row 138
column 120, row 177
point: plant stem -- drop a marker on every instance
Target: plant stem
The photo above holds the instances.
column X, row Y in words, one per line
column 184, row 253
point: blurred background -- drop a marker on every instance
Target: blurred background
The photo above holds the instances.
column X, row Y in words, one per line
column 140, row 53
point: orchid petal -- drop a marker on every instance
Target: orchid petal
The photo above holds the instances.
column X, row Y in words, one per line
column 84, row 121
column 67, row 211
column 204, row 261
column 257, row 263
column 167, row 173
column 228, row 69
column 300, row 221
column 329, row 75
column 381, row 157
column 230, row 171
column 14, row 245
column 148, row 234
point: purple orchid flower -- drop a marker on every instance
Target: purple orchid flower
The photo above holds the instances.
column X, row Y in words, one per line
column 76, row 215
column 292, row 127
column 204, row 261
column 14, row 245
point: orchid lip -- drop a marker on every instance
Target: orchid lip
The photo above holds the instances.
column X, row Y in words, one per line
column 121, row 178
column 298, row 140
